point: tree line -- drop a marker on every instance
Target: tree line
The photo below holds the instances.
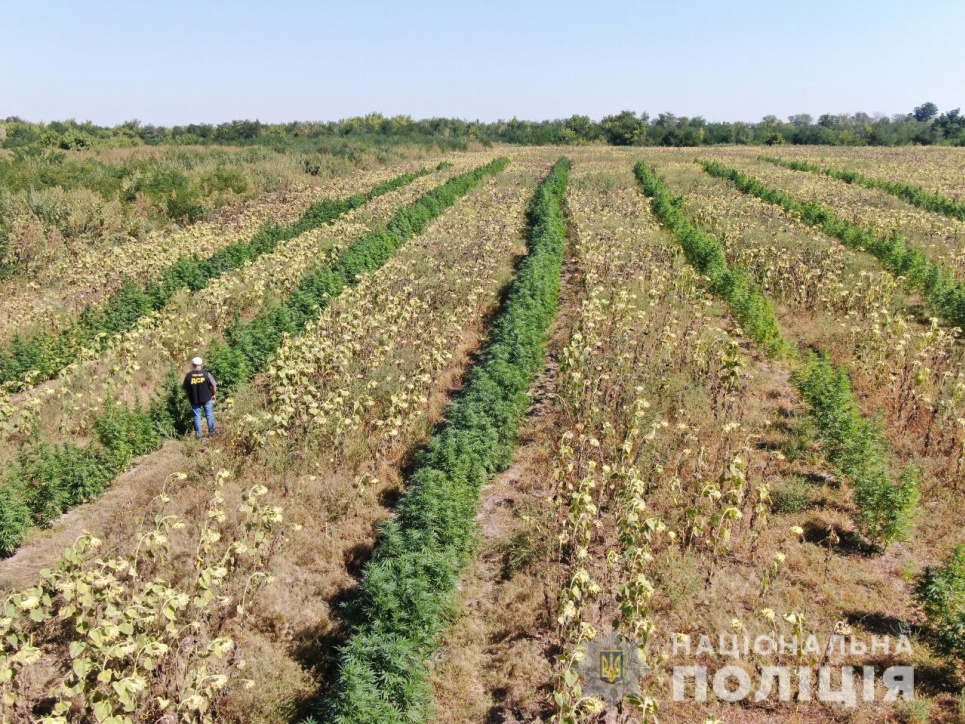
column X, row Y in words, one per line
column 924, row 125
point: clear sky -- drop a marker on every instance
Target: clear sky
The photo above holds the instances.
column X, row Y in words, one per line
column 174, row 61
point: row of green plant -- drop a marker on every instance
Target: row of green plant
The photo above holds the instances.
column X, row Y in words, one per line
column 944, row 295
column 883, row 508
column 47, row 479
column 30, row 360
column 706, row 254
column 913, row 194
column 939, row 589
column 249, row 345
column 408, row 592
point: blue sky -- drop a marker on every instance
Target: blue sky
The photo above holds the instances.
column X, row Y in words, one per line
column 208, row 61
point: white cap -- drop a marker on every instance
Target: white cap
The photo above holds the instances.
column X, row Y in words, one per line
column 197, row 361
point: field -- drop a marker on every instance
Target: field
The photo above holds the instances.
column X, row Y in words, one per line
column 477, row 410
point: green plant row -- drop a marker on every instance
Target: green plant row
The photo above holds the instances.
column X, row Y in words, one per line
column 250, row 344
column 856, row 446
column 706, row 254
column 944, row 295
column 47, row 479
column 47, row 353
column 408, row 592
column 916, row 195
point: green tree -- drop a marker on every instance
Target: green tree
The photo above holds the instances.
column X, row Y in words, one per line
column 623, row 129
column 951, row 124
column 584, row 128
column 925, row 112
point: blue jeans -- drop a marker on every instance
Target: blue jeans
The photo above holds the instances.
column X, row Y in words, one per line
column 208, row 409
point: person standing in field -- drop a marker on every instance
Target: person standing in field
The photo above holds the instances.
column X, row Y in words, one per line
column 202, row 389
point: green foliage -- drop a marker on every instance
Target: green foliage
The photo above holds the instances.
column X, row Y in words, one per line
column 224, row 178
column 525, row 548
column 138, row 190
column 47, row 480
column 916, row 195
column 914, row 711
column 623, row 129
column 407, row 595
column 313, row 164
column 884, row 508
column 951, row 125
column 943, row 294
column 706, row 254
column 250, row 344
column 15, row 517
column 33, row 168
column 377, row 131
column 44, row 355
column 925, row 112
column 791, row 496
column 71, row 141
column 181, row 199
column 940, row 591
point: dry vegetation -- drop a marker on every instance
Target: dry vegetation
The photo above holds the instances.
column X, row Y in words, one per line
column 71, row 247
column 673, row 475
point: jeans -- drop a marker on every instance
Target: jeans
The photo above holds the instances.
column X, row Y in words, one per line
column 208, row 409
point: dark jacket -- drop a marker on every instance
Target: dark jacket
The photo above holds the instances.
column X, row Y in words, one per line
column 199, row 387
